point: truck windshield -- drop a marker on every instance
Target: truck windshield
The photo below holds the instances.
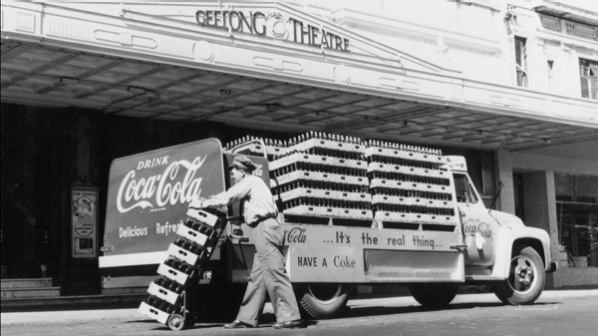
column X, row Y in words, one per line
column 464, row 190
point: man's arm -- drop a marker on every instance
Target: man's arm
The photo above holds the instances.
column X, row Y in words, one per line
column 233, row 194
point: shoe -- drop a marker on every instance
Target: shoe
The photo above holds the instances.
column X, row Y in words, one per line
column 237, row 324
column 289, row 324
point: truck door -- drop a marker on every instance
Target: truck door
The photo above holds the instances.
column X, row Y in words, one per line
column 478, row 226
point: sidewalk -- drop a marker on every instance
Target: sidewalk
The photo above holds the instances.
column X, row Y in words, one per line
column 134, row 315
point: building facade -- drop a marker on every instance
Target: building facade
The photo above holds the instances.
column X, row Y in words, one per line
column 511, row 86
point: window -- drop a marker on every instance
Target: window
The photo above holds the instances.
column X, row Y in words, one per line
column 463, row 189
column 588, row 73
column 578, row 233
column 577, row 214
column 521, row 61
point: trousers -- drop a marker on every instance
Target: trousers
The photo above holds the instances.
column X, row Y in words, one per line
column 268, row 277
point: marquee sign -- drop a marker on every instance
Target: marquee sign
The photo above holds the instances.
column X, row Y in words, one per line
column 274, row 25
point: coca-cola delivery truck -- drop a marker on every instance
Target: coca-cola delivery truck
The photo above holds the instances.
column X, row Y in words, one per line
column 354, row 213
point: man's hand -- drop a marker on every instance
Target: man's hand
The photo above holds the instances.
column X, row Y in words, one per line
column 197, row 203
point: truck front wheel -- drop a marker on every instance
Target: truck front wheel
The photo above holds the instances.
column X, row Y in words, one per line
column 321, row 301
column 526, row 279
column 434, row 295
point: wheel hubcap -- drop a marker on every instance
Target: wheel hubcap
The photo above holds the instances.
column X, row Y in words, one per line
column 522, row 274
column 525, row 275
column 176, row 321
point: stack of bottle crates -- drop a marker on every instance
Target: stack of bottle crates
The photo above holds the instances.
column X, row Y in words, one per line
column 323, row 175
column 408, row 184
column 329, row 175
column 256, row 146
column 316, row 174
column 182, row 269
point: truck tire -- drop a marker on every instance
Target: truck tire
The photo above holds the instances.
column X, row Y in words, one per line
column 526, row 279
column 434, row 295
column 321, row 301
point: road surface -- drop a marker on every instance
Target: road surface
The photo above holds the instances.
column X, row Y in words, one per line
column 557, row 313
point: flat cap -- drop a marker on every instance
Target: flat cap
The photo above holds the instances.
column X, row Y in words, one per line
column 243, row 162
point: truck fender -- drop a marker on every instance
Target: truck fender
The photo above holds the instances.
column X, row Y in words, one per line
column 507, row 237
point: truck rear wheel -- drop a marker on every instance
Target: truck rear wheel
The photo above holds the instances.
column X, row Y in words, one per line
column 526, row 279
column 434, row 295
column 321, row 301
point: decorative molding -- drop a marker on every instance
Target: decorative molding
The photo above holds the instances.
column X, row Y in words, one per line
column 203, row 51
column 108, row 36
column 505, row 101
column 68, row 28
column 570, row 28
column 454, row 89
column 581, row 30
column 411, row 86
column 231, row 56
column 125, row 39
column 342, row 74
column 142, row 41
column 550, row 22
column 364, row 78
column 277, row 64
column 398, row 83
column 391, row 82
column 585, row 31
column 319, row 70
column 25, row 22
column 175, row 46
column 580, row 114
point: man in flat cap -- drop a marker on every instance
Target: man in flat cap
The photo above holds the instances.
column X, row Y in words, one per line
column 268, row 275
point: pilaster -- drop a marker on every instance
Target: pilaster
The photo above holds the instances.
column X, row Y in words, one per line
column 504, row 170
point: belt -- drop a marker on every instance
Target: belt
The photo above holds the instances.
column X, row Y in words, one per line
column 261, row 219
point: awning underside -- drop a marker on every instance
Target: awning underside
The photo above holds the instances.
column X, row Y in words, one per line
column 41, row 76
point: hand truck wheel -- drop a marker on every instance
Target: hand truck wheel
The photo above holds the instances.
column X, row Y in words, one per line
column 176, row 322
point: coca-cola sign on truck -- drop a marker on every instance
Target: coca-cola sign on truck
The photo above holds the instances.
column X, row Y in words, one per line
column 149, row 193
column 160, row 190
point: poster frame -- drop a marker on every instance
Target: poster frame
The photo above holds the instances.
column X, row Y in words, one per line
column 78, row 233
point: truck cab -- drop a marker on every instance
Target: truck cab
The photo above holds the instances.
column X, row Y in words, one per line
column 500, row 249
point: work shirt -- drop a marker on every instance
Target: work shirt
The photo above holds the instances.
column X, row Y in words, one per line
column 259, row 202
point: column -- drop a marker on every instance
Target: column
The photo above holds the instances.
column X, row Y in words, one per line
column 82, row 274
column 83, row 148
column 506, row 199
column 540, row 208
column 25, row 193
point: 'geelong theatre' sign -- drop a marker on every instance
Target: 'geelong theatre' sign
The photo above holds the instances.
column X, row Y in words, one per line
column 273, row 25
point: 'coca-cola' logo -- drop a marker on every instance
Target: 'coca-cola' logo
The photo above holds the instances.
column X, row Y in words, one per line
column 484, row 229
column 157, row 191
column 297, row 235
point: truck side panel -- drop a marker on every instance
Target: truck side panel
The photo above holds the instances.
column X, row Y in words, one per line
column 148, row 197
column 368, row 255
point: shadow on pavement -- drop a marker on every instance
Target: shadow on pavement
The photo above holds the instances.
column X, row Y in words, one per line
column 267, row 320
column 200, row 326
column 357, row 311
